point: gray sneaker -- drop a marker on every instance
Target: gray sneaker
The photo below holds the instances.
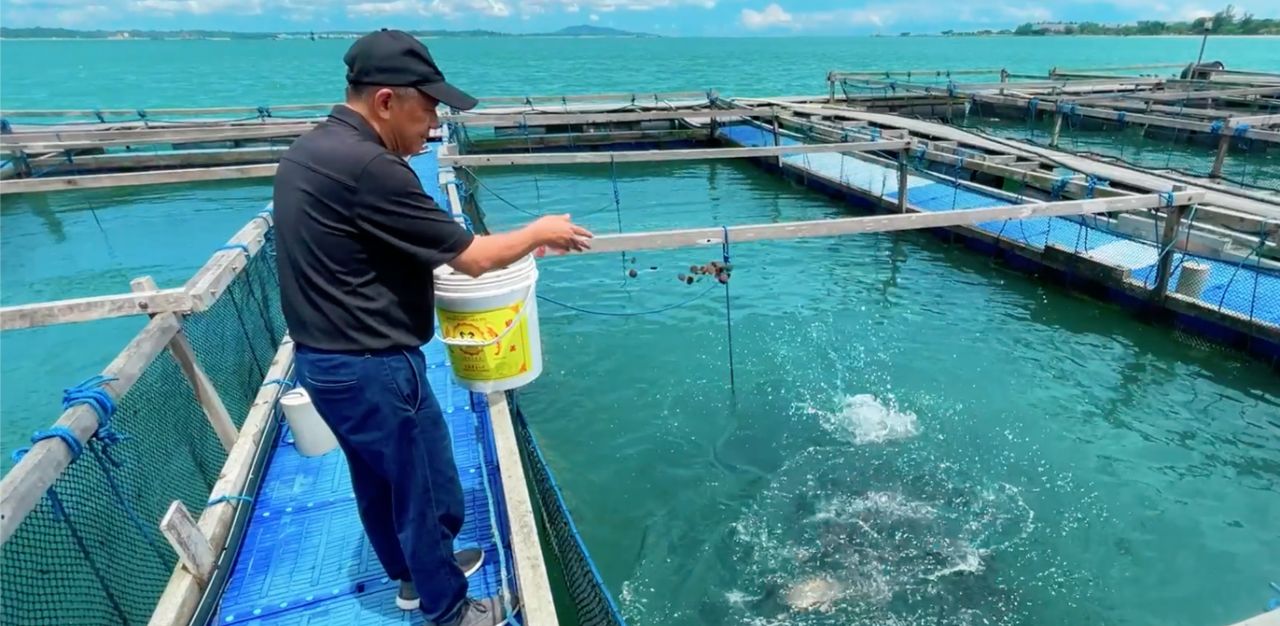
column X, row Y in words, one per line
column 473, row 612
column 469, row 560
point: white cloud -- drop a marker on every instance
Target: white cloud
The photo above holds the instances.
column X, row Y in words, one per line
column 197, row 7
column 432, row 8
column 772, row 15
column 593, row 17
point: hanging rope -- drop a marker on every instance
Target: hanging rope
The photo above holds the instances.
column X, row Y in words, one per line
column 91, row 393
column 617, row 204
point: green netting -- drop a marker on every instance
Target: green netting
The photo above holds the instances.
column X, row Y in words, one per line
column 91, row 552
column 592, row 603
column 236, row 338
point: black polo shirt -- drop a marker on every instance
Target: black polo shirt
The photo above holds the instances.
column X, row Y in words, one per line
column 356, row 241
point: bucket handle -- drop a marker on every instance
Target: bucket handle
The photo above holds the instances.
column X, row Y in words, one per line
column 478, row 343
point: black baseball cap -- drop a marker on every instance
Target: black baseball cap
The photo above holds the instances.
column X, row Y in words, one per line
column 397, row 59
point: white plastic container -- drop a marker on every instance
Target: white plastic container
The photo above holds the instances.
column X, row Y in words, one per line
column 1192, row 279
column 311, row 436
column 490, row 325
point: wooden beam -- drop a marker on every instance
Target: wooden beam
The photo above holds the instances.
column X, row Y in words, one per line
column 15, row 143
column 212, row 279
column 26, row 483
column 560, row 119
column 160, row 160
column 206, row 394
column 79, row 133
column 94, row 308
column 131, row 179
column 881, row 223
column 1170, row 95
column 1118, row 68
column 536, row 601
column 636, row 96
column 1134, row 118
column 1055, row 85
column 133, row 113
column 480, row 160
column 895, row 121
column 181, row 597
column 194, row 552
column 837, row 75
column 1256, row 120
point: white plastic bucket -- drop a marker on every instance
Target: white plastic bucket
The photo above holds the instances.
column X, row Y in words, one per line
column 490, row 325
column 311, row 436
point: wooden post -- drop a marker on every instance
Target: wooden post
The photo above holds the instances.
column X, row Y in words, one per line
column 1172, row 220
column 831, row 87
column 902, row 180
column 777, row 138
column 1057, row 128
column 182, row 595
column 206, row 394
column 538, row 607
column 1224, row 144
column 192, row 546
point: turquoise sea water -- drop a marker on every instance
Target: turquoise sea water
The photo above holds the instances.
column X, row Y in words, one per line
column 935, row 438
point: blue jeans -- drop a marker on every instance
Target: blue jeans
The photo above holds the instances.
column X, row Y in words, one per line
column 389, row 425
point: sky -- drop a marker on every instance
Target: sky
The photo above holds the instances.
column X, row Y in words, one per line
column 663, row 17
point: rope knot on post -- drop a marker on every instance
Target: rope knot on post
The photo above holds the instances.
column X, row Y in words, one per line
column 91, row 392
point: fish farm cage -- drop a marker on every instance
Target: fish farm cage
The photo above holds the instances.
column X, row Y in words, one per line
column 1157, row 193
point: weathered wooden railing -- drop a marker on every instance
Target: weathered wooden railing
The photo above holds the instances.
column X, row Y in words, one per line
column 31, row 479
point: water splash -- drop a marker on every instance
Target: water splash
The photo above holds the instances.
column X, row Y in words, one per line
column 865, row 419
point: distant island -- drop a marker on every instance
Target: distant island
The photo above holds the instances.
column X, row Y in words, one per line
column 1224, row 22
column 66, row 33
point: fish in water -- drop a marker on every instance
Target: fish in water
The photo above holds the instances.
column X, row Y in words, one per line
column 816, row 593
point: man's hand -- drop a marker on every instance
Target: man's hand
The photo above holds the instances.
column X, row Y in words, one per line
column 489, row 252
column 560, row 234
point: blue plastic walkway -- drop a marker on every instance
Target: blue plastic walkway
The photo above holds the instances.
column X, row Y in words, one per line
column 304, row 557
column 1230, row 286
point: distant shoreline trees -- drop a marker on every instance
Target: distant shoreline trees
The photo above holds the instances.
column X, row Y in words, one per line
column 1224, row 22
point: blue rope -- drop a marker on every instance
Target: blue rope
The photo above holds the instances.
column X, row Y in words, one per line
column 90, row 392
column 1168, row 198
column 1216, row 127
column 264, row 112
column 53, row 432
column 617, row 206
column 1120, row 117
column 1059, row 186
column 628, row 313
column 227, row 498
column 102, row 456
column 5, row 127
column 1240, row 130
column 98, row 114
column 1093, row 182
column 234, row 246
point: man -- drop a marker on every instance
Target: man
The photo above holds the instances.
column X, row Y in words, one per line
column 357, row 240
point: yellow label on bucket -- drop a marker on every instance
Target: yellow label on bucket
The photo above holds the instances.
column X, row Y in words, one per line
column 504, row 359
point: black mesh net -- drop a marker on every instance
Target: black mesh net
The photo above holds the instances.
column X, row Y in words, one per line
column 91, row 552
column 592, row 602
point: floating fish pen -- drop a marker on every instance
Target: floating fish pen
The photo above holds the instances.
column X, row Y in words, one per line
column 195, row 504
